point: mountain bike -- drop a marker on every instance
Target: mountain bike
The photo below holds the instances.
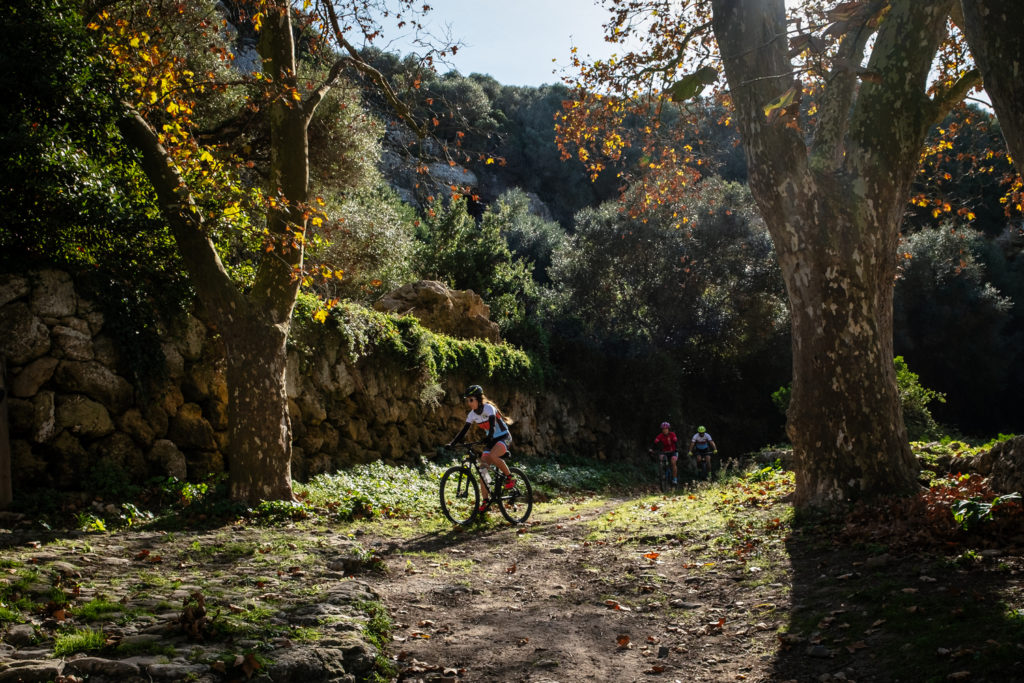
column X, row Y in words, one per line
column 664, row 470
column 460, row 490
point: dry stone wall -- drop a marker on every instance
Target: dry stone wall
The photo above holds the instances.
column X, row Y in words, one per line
column 75, row 415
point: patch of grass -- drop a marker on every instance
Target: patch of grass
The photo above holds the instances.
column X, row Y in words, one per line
column 563, row 473
column 94, row 610
column 226, row 553
column 304, row 634
column 377, row 631
column 78, row 640
column 8, row 615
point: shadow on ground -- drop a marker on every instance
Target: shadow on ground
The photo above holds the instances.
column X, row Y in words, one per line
column 863, row 612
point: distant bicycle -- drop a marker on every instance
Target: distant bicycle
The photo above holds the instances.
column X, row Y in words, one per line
column 664, row 470
column 460, row 490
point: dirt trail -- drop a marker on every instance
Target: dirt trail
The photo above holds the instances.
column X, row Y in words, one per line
column 541, row 603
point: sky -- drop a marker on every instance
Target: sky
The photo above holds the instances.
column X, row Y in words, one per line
column 515, row 41
column 518, row 42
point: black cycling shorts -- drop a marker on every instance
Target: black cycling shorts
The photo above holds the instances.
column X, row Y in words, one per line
column 504, row 438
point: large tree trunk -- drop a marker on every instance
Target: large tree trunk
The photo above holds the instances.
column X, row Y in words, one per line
column 845, row 421
column 259, row 443
column 995, row 33
column 255, row 326
column 258, row 421
column 833, row 208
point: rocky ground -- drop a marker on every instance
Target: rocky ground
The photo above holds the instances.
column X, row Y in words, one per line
column 699, row 585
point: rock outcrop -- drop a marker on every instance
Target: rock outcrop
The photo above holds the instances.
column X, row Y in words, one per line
column 1003, row 464
column 457, row 313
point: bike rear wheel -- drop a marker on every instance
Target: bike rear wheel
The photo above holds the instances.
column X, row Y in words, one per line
column 516, row 503
column 665, row 475
column 460, row 495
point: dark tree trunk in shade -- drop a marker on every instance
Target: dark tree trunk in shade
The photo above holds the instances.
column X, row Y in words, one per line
column 833, row 203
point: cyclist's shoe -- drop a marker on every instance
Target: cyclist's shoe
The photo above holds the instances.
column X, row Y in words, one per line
column 510, row 484
column 675, row 481
column 484, row 504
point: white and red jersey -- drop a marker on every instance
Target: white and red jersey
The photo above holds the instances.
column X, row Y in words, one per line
column 484, row 417
column 701, row 441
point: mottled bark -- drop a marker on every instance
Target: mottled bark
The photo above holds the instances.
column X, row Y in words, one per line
column 834, row 210
column 995, row 34
column 259, row 429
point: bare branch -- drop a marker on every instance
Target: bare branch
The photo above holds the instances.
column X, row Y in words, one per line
column 400, row 108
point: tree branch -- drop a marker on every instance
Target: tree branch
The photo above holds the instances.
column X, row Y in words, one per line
column 892, row 112
column 954, row 94
column 208, row 275
column 834, row 120
column 400, row 108
column 752, row 39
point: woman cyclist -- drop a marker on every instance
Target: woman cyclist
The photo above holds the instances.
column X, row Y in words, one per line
column 484, row 414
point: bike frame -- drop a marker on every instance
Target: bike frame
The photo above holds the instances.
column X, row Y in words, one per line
column 664, row 469
column 515, row 503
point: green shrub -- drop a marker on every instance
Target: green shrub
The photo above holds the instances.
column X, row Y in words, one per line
column 914, row 399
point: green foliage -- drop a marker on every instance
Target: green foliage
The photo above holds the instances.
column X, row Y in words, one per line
column 375, row 490
column 970, row 513
column 683, row 317
column 780, row 398
column 364, row 332
column 73, row 199
column 957, row 329
column 371, row 240
column 89, row 522
column 764, row 474
column 568, row 473
column 529, row 237
column 280, row 511
column 78, row 640
column 9, row 615
column 377, row 631
column 914, row 399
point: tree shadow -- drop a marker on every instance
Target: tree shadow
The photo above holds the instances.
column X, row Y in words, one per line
column 886, row 608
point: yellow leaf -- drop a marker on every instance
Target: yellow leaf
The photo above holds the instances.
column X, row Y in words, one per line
column 320, row 316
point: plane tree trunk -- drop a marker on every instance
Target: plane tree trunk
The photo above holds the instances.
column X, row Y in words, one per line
column 833, row 203
column 993, row 29
column 254, row 325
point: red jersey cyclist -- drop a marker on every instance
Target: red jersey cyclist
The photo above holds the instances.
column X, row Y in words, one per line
column 667, row 443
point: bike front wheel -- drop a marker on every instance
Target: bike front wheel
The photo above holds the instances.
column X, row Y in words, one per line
column 460, row 495
column 516, row 503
